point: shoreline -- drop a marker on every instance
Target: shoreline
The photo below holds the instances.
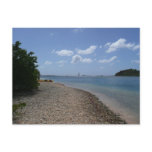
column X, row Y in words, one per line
column 112, row 104
column 56, row 103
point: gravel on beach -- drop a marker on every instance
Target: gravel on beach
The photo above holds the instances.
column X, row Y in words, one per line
column 55, row 103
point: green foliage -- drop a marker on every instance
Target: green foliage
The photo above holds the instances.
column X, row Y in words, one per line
column 128, row 72
column 25, row 73
column 17, row 106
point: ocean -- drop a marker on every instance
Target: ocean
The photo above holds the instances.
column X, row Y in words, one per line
column 120, row 94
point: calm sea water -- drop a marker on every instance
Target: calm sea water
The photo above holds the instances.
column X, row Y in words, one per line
column 121, row 94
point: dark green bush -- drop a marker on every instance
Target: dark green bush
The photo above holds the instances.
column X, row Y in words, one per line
column 25, row 72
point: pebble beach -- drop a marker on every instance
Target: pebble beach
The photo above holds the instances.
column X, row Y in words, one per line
column 55, row 103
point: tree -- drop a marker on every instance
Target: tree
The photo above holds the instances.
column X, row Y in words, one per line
column 128, row 72
column 25, row 72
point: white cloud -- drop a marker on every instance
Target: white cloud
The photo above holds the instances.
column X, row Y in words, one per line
column 108, row 60
column 136, row 47
column 76, row 30
column 89, row 50
column 135, row 61
column 64, row 53
column 107, row 44
column 86, row 60
column 61, row 63
column 100, row 46
column 119, row 44
column 78, row 58
column 47, row 62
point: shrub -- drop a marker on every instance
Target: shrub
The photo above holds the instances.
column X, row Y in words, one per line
column 17, row 106
column 25, row 72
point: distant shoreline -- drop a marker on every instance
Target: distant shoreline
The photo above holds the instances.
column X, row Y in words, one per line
column 55, row 103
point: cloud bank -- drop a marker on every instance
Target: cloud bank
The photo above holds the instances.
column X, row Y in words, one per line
column 61, row 63
column 64, row 53
column 120, row 44
column 78, row 58
column 89, row 50
column 108, row 60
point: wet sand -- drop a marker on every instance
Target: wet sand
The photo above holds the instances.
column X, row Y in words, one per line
column 54, row 103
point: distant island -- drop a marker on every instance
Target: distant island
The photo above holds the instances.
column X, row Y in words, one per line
column 128, row 72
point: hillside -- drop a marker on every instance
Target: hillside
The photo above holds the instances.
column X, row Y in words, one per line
column 128, row 72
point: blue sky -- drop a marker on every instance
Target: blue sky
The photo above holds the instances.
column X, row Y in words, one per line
column 90, row 51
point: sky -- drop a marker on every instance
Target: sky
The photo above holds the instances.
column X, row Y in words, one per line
column 88, row 51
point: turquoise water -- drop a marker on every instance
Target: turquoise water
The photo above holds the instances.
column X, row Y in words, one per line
column 121, row 94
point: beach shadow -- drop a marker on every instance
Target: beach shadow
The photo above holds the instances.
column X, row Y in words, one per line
column 25, row 93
